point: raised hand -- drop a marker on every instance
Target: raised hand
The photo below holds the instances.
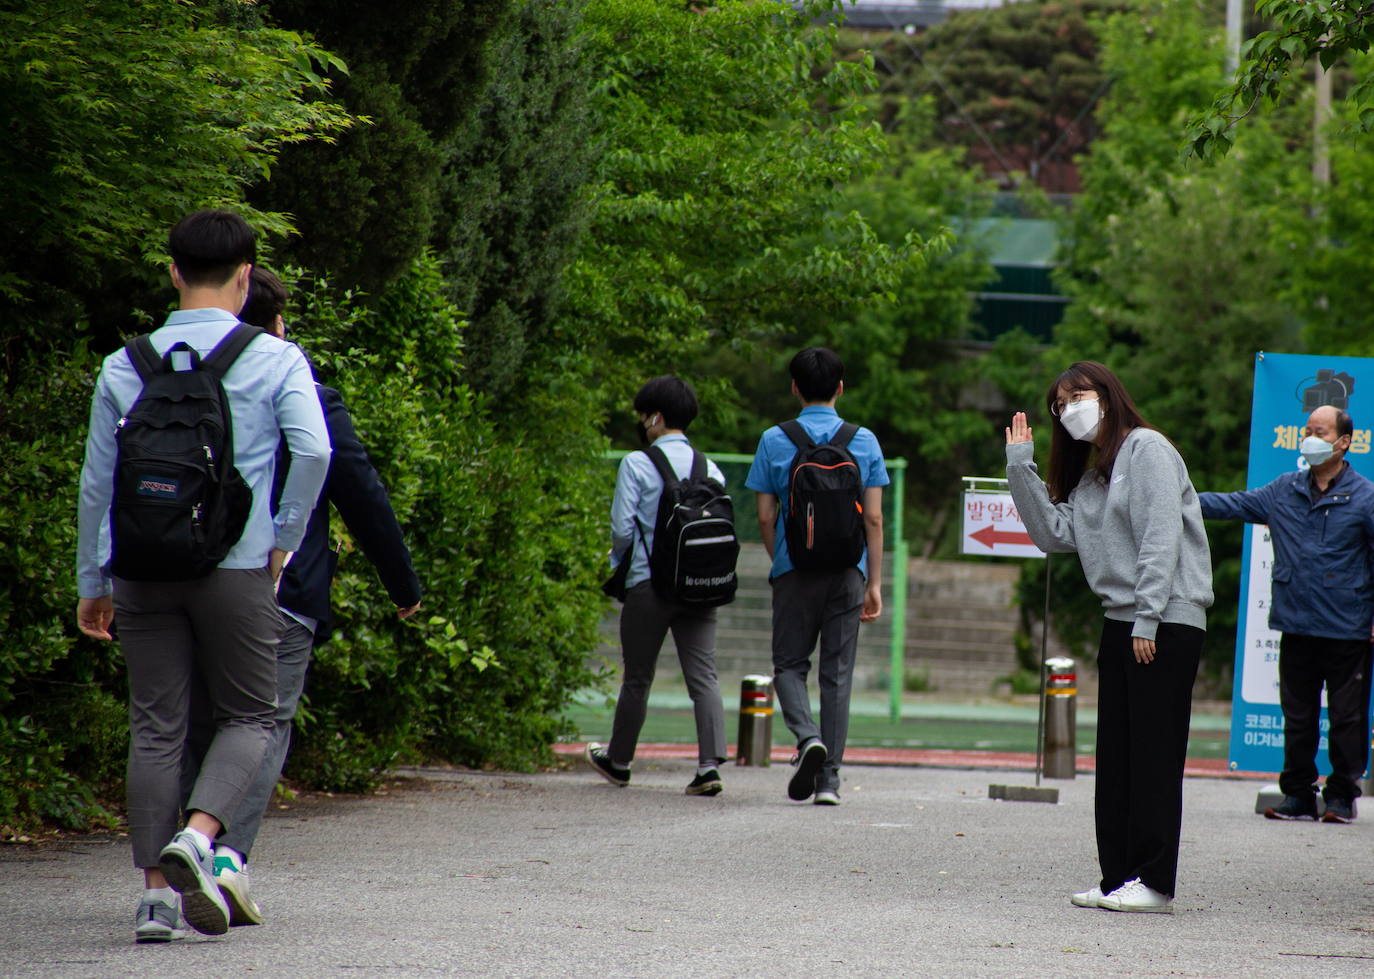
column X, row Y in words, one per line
column 1019, row 430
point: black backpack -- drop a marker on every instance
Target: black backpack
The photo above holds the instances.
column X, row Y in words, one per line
column 825, row 512
column 179, row 503
column 695, row 547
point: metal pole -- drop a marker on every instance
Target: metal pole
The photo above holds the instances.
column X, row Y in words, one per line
column 1044, row 646
column 897, row 657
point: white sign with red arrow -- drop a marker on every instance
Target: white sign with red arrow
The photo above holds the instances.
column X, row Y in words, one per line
column 992, row 527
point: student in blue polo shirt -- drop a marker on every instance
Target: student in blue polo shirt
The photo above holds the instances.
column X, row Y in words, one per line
column 824, row 605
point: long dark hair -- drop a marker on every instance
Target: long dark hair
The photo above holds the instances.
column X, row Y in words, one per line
column 1068, row 456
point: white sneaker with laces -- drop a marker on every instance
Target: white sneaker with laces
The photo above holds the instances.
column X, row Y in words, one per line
column 1088, row 899
column 1136, row 895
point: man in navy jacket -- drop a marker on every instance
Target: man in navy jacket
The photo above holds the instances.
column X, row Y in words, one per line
column 1321, row 523
column 356, row 491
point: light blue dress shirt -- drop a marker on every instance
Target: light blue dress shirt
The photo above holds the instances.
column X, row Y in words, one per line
column 271, row 394
column 638, row 487
column 773, row 464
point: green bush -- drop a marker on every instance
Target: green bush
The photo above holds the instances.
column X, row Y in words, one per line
column 503, row 531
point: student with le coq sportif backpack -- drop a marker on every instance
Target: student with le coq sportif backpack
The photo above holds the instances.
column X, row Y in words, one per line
column 819, row 482
column 669, row 490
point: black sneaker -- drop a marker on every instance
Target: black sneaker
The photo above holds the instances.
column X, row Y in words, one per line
column 1339, row 811
column 1294, row 807
column 810, row 757
column 611, row 772
column 707, row 783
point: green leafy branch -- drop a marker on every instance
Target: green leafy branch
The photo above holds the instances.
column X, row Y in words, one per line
column 456, row 650
column 1325, row 29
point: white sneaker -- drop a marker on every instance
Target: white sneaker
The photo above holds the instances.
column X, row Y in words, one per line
column 1087, row 899
column 1135, row 895
column 234, row 887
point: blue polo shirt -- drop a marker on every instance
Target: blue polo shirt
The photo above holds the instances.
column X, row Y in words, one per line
column 773, row 464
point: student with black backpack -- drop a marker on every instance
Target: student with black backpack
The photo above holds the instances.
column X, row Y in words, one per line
column 674, row 548
column 177, row 547
column 819, row 482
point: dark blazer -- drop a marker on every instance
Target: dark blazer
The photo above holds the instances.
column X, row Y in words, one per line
column 358, row 494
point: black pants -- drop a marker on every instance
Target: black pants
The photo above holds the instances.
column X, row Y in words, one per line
column 1143, row 713
column 1305, row 664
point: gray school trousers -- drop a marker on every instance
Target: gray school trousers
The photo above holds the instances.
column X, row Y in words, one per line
column 807, row 606
column 225, row 626
column 293, row 661
column 644, row 623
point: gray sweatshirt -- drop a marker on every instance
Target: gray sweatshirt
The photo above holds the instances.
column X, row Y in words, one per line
column 1139, row 537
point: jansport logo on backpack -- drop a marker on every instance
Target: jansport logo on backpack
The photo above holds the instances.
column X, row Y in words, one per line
column 179, row 503
column 695, row 548
column 825, row 513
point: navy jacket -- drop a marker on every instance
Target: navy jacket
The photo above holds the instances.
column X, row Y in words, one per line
column 358, row 494
column 1323, row 562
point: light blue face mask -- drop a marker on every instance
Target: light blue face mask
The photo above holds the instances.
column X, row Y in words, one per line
column 1316, row 450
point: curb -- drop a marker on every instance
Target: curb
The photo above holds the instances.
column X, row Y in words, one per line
column 997, row 761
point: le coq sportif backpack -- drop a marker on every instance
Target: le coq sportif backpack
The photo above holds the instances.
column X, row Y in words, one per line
column 695, row 548
column 179, row 504
column 825, row 513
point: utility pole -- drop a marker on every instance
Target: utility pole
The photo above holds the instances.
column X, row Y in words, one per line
column 1321, row 150
column 1234, row 22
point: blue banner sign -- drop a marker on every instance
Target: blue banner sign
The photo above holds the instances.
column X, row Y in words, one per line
column 1287, row 388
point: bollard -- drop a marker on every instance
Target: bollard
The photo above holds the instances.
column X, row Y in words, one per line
column 755, row 745
column 1061, row 718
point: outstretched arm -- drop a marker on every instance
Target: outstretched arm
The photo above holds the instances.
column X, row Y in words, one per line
column 357, row 493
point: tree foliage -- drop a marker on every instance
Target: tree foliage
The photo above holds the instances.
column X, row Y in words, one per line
column 369, row 204
column 717, row 211
column 1015, row 85
column 1304, row 32
column 119, row 118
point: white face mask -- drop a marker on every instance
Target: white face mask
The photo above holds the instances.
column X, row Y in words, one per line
column 1316, row 450
column 1081, row 419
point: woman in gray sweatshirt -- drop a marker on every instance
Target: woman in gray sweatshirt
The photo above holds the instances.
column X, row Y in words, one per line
column 1119, row 495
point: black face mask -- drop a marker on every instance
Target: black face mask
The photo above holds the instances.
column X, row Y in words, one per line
column 643, row 433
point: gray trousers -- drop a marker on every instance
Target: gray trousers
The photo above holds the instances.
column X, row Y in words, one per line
column 645, row 621
column 807, row 606
column 224, row 627
column 293, row 659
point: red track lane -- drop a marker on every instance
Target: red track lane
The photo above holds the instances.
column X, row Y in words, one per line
column 932, row 758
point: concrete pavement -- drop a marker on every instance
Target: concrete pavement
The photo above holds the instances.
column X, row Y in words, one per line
column 918, row 873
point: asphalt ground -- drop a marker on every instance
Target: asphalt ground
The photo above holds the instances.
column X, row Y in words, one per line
column 917, row 873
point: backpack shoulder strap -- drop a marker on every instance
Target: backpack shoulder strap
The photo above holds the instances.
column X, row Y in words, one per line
column 664, row 467
column 144, row 356
column 227, row 350
column 698, row 466
column 793, row 430
column 844, row 434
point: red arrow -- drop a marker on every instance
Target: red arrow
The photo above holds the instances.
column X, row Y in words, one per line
column 990, row 537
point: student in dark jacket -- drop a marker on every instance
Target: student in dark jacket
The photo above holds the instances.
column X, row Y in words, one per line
column 356, row 491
